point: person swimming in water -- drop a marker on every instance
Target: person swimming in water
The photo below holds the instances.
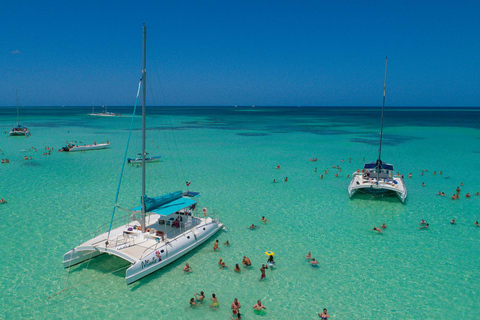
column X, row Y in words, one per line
column 222, row 264
column 252, row 227
column 376, row 229
column 308, row 256
column 187, row 268
column 265, row 220
column 270, row 261
column 237, row 268
column 199, row 297
column 476, row 223
column 453, row 221
column 193, row 303
column 246, row 261
column 423, row 222
column 384, row 226
column 424, row 227
column 215, row 246
column 313, row 262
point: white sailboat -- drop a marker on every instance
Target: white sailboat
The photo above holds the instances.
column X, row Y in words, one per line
column 19, row 130
column 377, row 178
column 167, row 230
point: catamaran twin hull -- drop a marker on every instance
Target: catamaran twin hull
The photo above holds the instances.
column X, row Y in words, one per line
column 147, row 253
column 19, row 133
column 372, row 186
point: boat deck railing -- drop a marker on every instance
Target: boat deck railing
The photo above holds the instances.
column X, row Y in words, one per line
column 196, row 221
column 122, row 220
column 130, row 219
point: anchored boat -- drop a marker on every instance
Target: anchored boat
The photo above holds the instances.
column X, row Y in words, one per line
column 104, row 114
column 377, row 178
column 73, row 148
column 19, row 130
column 147, row 160
column 169, row 226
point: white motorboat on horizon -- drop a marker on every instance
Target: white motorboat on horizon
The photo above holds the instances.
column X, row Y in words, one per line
column 377, row 178
column 104, row 114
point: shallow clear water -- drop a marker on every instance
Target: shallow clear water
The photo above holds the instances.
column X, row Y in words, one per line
column 230, row 155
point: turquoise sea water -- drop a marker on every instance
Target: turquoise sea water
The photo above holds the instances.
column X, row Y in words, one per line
column 230, row 155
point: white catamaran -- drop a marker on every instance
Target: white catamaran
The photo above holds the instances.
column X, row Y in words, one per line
column 168, row 229
column 19, row 130
column 378, row 178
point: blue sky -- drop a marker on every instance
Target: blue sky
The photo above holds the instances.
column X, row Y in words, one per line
column 270, row 53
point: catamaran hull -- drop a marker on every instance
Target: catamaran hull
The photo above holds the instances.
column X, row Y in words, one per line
column 168, row 252
column 171, row 251
column 360, row 185
column 377, row 192
column 18, row 133
column 79, row 255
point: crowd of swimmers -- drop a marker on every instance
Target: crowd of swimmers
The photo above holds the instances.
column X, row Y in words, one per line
column 199, row 298
column 258, row 307
column 423, row 225
column 47, row 152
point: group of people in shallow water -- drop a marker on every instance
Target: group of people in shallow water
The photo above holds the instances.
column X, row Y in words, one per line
column 423, row 225
column 198, row 299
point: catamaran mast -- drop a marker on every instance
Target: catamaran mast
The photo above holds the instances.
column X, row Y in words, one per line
column 144, row 94
column 18, row 123
column 379, row 161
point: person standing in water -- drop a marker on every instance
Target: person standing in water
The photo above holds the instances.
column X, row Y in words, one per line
column 324, row 314
column 246, row 261
column 214, row 304
column 235, row 306
column 262, row 269
column 259, row 306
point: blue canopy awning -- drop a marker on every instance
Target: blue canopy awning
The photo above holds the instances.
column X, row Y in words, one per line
column 167, row 204
column 174, row 206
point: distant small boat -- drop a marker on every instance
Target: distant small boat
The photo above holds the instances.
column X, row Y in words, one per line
column 19, row 130
column 147, row 160
column 87, row 147
column 313, row 159
column 104, row 114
